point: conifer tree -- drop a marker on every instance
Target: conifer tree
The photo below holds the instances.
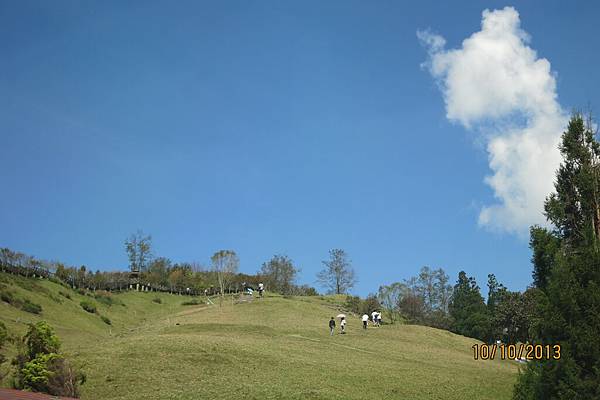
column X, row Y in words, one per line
column 567, row 270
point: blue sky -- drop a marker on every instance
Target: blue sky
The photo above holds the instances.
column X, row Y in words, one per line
column 264, row 127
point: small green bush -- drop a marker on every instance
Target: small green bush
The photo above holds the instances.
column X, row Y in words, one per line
column 31, row 307
column 40, row 367
column 7, row 296
column 87, row 306
column 192, row 302
column 106, row 298
column 67, row 295
column 157, row 300
column 106, row 320
column 81, row 292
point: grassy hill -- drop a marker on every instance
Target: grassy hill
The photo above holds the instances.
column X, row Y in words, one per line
column 271, row 348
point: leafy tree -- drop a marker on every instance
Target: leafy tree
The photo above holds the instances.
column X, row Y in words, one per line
column 412, row 306
column 468, row 310
column 389, row 296
column 158, row 272
column 225, row 264
column 279, row 274
column 139, row 251
column 337, row 274
column 566, row 271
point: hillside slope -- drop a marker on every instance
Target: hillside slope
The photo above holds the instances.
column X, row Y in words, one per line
column 271, row 348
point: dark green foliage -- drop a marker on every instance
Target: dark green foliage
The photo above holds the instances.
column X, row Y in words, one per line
column 66, row 295
column 353, row 303
column 41, row 339
column 157, row 300
column 3, row 339
column 82, row 292
column 279, row 274
column 544, row 245
column 40, row 367
column 106, row 298
column 88, row 306
column 358, row 306
column 305, row 290
column 31, row 307
column 192, row 302
column 106, row 320
column 566, row 272
column 7, row 296
column 468, row 309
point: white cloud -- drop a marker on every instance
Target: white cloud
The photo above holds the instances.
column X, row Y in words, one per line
column 496, row 85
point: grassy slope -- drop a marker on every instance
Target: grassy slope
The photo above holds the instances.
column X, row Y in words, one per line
column 271, row 348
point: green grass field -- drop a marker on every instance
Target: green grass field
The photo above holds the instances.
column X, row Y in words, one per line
column 270, row 348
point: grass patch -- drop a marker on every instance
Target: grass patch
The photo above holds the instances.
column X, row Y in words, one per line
column 157, row 300
column 272, row 348
column 106, row 320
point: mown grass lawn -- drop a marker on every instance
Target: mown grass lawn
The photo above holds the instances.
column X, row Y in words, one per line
column 271, row 348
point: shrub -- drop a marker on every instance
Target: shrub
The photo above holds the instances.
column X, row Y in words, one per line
column 41, row 339
column 104, row 298
column 106, row 320
column 67, row 295
column 7, row 296
column 107, row 299
column 192, row 302
column 157, row 300
column 31, row 307
column 3, row 339
column 87, row 306
column 39, row 366
column 81, row 292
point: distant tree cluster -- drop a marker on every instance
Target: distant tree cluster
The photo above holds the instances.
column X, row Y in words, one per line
column 161, row 274
column 422, row 299
column 430, row 299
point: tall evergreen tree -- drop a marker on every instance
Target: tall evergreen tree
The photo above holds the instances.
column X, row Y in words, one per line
column 567, row 270
column 468, row 309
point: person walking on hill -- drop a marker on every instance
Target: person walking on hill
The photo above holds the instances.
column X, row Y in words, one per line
column 374, row 318
column 343, row 325
column 261, row 289
column 331, row 326
column 365, row 320
column 379, row 318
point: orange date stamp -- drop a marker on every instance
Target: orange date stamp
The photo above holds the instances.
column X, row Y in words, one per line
column 516, row 351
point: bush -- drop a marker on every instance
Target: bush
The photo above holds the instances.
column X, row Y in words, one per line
column 67, row 295
column 104, row 298
column 7, row 296
column 31, row 307
column 41, row 339
column 81, row 292
column 157, row 300
column 105, row 320
column 3, row 339
column 39, row 366
column 87, row 306
column 192, row 302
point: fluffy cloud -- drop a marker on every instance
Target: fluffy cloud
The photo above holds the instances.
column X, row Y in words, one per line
column 496, row 85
